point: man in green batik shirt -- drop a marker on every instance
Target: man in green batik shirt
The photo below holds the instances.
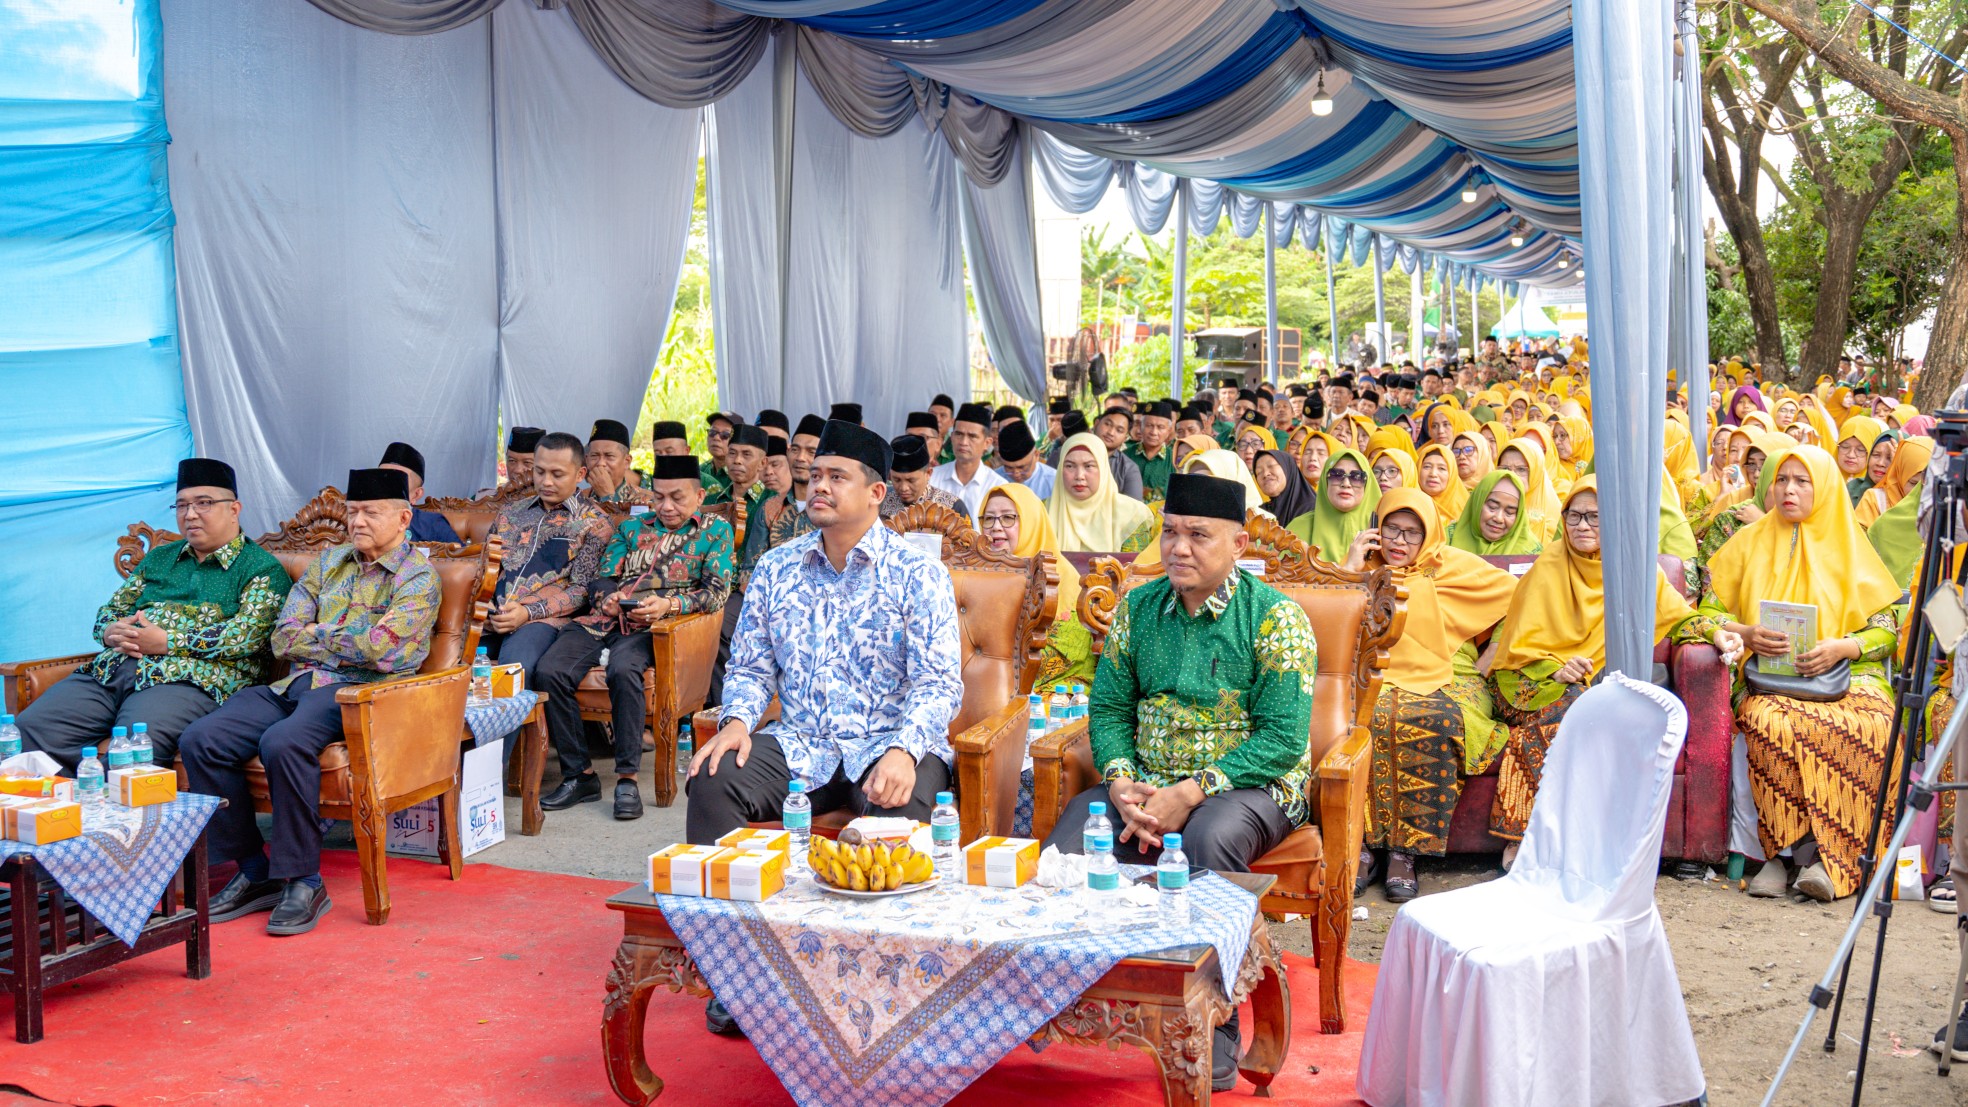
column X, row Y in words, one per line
column 1201, row 707
column 717, row 441
column 186, row 631
column 1152, row 455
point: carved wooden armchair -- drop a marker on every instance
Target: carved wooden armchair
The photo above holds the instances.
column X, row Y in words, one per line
column 1005, row 609
column 1355, row 618
column 679, row 680
column 400, row 737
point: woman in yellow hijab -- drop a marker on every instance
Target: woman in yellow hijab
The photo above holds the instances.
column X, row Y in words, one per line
column 1253, row 440
column 1525, row 458
column 1393, row 469
column 1312, row 456
column 1679, row 456
column 1552, row 647
column 1437, row 478
column 1473, row 459
column 1909, row 464
column 1814, row 767
column 1422, row 722
column 1856, row 437
column 1572, row 438
column 1390, row 437
column 1088, row 513
column 1013, row 520
column 1190, row 445
column 1223, row 463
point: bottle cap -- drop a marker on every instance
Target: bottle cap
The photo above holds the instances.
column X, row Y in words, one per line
column 795, row 785
column 88, row 751
column 1096, row 808
column 481, row 651
column 140, row 728
column 1171, row 841
column 119, row 732
column 6, row 720
column 944, row 799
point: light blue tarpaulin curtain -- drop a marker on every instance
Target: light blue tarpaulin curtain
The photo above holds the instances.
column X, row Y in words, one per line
column 93, row 422
column 1625, row 67
column 1001, row 243
column 875, row 279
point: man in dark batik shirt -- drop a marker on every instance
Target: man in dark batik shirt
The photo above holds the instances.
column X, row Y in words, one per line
column 671, row 560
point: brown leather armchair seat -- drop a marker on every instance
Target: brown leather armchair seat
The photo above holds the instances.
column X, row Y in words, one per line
column 1005, row 609
column 1355, row 618
column 400, row 737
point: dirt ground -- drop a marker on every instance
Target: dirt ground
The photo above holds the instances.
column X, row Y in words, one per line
column 1745, row 966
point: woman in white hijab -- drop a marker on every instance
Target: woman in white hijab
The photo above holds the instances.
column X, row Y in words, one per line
column 1088, row 512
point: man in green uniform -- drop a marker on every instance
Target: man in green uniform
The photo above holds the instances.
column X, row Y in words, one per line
column 717, row 484
column 1152, row 455
column 1202, row 706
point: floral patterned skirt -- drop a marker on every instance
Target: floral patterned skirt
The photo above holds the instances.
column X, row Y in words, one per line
column 1532, row 731
column 1415, row 777
column 1814, row 769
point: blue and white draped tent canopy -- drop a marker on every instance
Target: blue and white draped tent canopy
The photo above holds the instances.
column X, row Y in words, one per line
column 836, row 130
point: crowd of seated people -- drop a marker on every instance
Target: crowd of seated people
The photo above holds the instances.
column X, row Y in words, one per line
column 1200, row 695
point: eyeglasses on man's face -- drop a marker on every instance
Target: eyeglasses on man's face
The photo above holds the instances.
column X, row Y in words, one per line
column 200, row 506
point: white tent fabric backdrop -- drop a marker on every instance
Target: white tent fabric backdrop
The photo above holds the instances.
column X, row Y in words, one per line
column 874, row 307
column 391, row 237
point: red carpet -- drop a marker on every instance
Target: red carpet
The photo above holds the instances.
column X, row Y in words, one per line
column 488, row 991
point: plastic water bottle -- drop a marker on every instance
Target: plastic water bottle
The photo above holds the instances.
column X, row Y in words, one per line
column 1035, row 714
column 1061, row 707
column 686, row 749
column 1172, row 877
column 1103, row 879
column 1097, row 824
column 141, row 752
column 1080, row 701
column 481, row 678
column 943, row 838
column 119, row 748
column 89, row 788
column 10, row 739
column 796, row 816
column 1035, row 729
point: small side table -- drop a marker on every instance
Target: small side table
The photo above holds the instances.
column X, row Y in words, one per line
column 50, row 940
column 523, row 776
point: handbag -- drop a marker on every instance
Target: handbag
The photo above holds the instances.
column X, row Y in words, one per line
column 1832, row 684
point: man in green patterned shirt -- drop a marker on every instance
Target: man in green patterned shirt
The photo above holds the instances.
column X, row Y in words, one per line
column 1202, row 706
column 188, row 629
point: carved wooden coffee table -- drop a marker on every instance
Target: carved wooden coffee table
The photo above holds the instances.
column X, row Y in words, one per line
column 1167, row 1003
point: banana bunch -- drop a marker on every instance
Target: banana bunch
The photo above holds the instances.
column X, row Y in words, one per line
column 865, row 867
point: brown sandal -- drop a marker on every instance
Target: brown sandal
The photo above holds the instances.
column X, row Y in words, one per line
column 1402, row 885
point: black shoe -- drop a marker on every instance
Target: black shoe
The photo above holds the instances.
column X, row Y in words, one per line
column 241, row 896
column 1226, row 1048
column 1960, row 1045
column 1688, row 870
column 628, row 800
column 717, row 1020
column 585, row 788
column 301, row 906
column 1373, row 866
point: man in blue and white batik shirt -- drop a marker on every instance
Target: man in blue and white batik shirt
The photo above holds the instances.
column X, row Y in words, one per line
column 855, row 630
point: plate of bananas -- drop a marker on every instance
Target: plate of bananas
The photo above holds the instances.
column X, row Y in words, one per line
column 869, row 870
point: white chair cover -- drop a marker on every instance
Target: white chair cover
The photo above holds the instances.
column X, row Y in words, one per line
column 1555, row 984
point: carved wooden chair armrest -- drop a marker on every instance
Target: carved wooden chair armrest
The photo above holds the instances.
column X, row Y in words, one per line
column 990, row 756
column 1339, row 795
column 1062, row 767
column 403, row 736
column 26, row 680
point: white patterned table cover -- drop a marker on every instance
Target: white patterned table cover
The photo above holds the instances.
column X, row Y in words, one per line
column 117, row 869
column 492, row 721
column 906, row 1000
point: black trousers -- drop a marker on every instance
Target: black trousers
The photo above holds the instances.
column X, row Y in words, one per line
column 734, row 604
column 523, row 647
column 79, row 710
column 287, row 731
column 559, row 673
column 1226, row 833
column 756, row 792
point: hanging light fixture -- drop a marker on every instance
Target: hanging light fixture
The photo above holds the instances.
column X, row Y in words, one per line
column 1322, row 104
column 1516, row 233
column 1469, row 188
column 1564, row 261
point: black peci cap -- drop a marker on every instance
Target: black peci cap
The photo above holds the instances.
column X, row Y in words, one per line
column 1204, row 495
column 608, row 430
column 921, row 419
column 748, row 435
column 810, row 426
column 677, row 467
column 852, row 440
column 1058, row 405
column 774, row 419
column 908, row 454
column 521, row 440
column 846, row 413
column 406, row 455
column 1015, row 442
column 775, row 446
column 205, row 472
column 377, row 484
column 669, row 429
column 979, row 414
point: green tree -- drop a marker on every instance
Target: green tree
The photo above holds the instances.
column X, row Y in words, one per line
column 683, row 383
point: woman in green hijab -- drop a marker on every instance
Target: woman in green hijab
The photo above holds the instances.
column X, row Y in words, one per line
column 1760, row 462
column 1896, row 535
column 1348, row 495
column 1494, row 523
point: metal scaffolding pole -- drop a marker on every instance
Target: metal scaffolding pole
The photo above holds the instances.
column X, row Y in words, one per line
column 1270, row 297
column 1179, row 295
column 1380, row 342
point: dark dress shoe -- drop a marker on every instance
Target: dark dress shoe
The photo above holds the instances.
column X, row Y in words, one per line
column 1226, row 1048
column 717, row 1020
column 628, row 800
column 241, row 896
column 585, row 788
column 1689, row 870
column 301, row 906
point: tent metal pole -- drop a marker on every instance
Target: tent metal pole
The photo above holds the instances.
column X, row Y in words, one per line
column 785, row 99
column 1693, row 277
column 1270, row 296
column 1475, row 312
column 1380, row 303
column 1449, row 294
column 1179, row 295
column 1417, row 313
column 1332, row 305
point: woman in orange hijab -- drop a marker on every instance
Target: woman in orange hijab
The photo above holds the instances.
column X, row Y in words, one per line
column 1814, row 766
column 1437, row 478
column 1552, row 647
column 1422, row 720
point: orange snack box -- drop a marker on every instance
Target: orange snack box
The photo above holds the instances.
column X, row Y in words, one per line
column 41, row 823
column 998, row 862
column 508, row 680
column 143, row 787
column 752, row 875
column 679, row 869
column 778, row 841
column 42, row 787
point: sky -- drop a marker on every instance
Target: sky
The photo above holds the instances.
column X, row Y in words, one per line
column 68, row 50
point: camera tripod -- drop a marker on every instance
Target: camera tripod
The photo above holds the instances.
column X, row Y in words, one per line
column 1912, row 686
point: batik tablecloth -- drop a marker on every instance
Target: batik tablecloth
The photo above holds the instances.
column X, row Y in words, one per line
column 904, row 1001
column 492, row 721
column 116, row 870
